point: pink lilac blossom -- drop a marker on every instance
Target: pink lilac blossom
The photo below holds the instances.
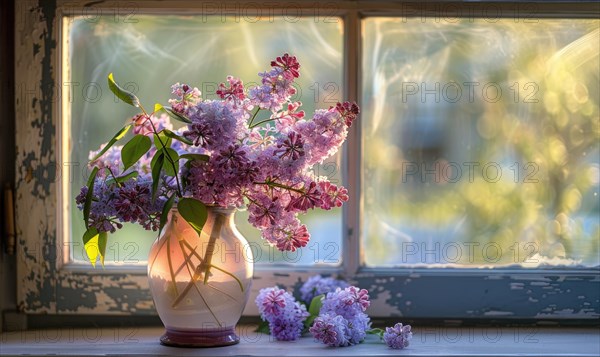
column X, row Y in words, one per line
column 289, row 117
column 234, row 92
column 145, row 125
column 332, row 195
column 283, row 313
column 398, row 336
column 186, row 97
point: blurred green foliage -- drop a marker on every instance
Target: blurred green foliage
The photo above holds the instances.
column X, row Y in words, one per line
column 505, row 172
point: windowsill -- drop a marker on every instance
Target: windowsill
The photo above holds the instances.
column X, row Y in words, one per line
column 427, row 341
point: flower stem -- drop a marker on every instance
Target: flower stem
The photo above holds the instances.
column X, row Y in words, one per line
column 212, row 241
column 261, row 122
column 205, row 264
column 175, row 169
column 253, row 116
column 275, row 184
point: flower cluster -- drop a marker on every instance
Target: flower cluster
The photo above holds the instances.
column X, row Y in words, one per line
column 318, row 285
column 283, row 313
column 397, row 337
column 336, row 318
column 342, row 320
column 259, row 146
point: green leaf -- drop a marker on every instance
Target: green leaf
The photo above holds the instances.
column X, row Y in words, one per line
column 118, row 136
column 315, row 305
column 164, row 216
column 177, row 116
column 193, row 211
column 121, row 93
column 172, row 159
column 376, row 331
column 162, row 141
column 134, row 150
column 102, row 239
column 263, row 327
column 87, row 205
column 123, row 178
column 199, row 157
column 90, row 243
column 172, row 135
column 157, row 163
column 313, row 309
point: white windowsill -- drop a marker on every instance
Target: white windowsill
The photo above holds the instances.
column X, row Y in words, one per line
column 427, row 341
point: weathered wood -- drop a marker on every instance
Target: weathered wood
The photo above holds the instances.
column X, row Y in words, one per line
column 427, row 341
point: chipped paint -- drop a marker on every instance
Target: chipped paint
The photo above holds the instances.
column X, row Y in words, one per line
column 534, row 295
column 43, row 285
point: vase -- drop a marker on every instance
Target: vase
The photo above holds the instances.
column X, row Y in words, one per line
column 200, row 283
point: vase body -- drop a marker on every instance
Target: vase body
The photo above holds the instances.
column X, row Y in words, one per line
column 200, row 284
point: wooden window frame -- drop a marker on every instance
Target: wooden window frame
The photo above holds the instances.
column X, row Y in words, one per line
column 48, row 286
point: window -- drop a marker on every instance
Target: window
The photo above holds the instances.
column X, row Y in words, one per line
column 443, row 87
column 144, row 53
column 481, row 142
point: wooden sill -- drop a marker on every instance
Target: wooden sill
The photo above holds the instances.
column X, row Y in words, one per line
column 427, row 341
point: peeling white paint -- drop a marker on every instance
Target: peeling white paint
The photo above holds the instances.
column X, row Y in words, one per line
column 381, row 303
column 498, row 313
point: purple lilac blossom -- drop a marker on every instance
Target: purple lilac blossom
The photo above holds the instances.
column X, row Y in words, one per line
column 398, row 336
column 330, row 329
column 343, row 308
column 263, row 164
column 317, row 285
column 283, row 313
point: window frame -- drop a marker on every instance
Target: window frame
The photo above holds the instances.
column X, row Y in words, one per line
column 48, row 286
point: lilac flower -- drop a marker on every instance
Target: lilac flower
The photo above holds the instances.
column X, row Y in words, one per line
column 289, row 64
column 276, row 89
column 347, row 302
column 330, row 329
column 288, row 234
column 264, row 165
column 111, row 159
column 216, row 125
column 349, row 111
column 283, row 313
column 292, row 146
column 332, row 195
column 346, row 305
column 317, row 285
column 186, row 97
column 310, row 198
column 397, row 337
column 234, row 92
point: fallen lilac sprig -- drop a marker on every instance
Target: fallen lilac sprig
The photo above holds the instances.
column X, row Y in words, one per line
column 284, row 315
column 336, row 317
column 396, row 337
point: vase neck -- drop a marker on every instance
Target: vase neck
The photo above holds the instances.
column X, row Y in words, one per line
column 227, row 211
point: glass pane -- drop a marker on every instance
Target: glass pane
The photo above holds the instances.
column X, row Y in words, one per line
column 481, row 143
column 149, row 54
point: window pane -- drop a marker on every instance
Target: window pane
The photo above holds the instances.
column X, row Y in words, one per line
column 153, row 52
column 481, row 142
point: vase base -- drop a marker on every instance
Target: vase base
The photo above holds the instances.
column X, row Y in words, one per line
column 200, row 338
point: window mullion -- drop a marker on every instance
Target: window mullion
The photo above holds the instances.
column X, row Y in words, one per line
column 352, row 152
